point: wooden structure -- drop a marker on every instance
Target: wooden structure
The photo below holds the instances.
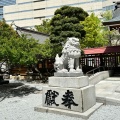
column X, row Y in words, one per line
column 46, row 66
column 18, row 70
column 41, row 71
column 109, row 57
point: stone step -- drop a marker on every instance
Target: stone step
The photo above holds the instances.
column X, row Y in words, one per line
column 113, row 79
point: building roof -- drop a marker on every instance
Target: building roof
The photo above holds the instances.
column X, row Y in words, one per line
column 100, row 50
column 115, row 21
column 32, row 33
column 116, row 16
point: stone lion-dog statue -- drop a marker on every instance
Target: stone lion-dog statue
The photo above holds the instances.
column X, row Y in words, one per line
column 69, row 60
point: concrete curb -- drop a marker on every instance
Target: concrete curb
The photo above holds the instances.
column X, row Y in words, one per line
column 108, row 101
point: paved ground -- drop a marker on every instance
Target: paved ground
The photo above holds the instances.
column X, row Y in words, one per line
column 108, row 91
column 17, row 101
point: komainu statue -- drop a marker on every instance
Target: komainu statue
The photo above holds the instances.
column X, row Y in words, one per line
column 69, row 60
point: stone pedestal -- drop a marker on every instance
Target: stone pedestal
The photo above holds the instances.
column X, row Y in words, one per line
column 72, row 99
column 69, row 82
column 68, row 74
column 68, row 93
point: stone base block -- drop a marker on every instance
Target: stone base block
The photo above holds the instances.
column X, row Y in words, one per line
column 68, row 74
column 69, row 82
column 70, row 99
column 84, row 115
column 88, row 97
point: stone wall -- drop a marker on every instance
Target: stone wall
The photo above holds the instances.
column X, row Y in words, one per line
column 94, row 79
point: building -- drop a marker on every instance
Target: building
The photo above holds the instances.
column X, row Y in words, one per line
column 107, row 5
column 41, row 37
column 5, row 3
column 114, row 23
column 107, row 58
column 28, row 13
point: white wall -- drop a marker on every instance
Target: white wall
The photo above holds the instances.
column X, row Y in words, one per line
column 20, row 17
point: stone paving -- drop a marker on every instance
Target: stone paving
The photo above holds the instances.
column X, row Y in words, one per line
column 108, row 91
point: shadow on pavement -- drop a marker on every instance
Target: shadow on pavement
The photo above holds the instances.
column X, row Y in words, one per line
column 15, row 89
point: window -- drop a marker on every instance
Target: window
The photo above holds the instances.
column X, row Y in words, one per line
column 39, row 17
column 39, row 0
column 24, row 3
column 39, row 9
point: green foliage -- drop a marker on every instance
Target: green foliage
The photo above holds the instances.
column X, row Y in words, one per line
column 113, row 37
column 45, row 49
column 94, row 33
column 107, row 15
column 65, row 23
column 18, row 50
column 6, row 31
column 44, row 27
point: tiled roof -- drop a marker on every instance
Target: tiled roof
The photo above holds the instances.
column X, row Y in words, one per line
column 116, row 16
column 114, row 19
column 41, row 37
column 109, row 49
column 30, row 31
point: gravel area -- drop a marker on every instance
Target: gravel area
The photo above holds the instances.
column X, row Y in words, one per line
column 17, row 102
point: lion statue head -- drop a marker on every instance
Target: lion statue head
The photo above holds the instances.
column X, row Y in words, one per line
column 72, row 48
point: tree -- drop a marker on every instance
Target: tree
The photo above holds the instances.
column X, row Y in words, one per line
column 107, row 15
column 44, row 27
column 117, row 37
column 113, row 37
column 16, row 49
column 65, row 23
column 22, row 50
column 6, row 31
column 45, row 49
column 94, row 32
